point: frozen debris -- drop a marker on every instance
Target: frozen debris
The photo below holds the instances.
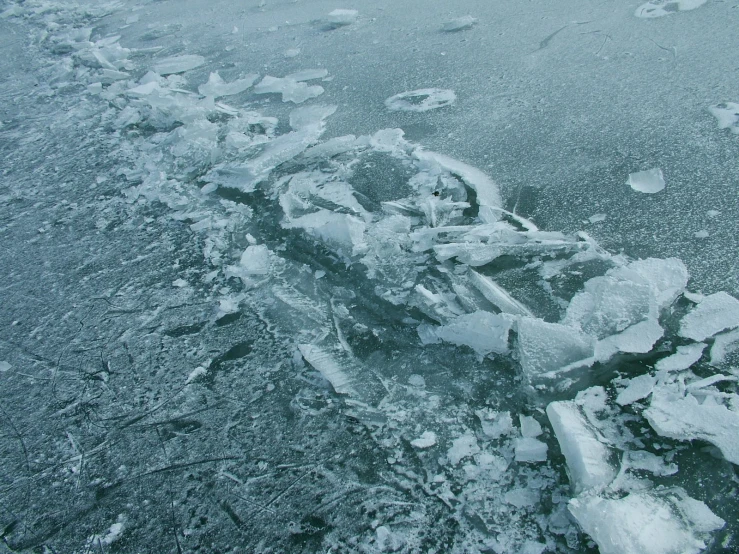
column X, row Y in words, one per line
column 584, row 448
column 715, row 313
column 178, row 64
column 179, row 283
column 724, row 345
column 637, row 339
column 217, row 87
column 482, row 331
column 421, row 100
column 714, row 213
column 387, row 541
column 341, row 17
column 331, row 367
column 648, row 182
column 638, row 388
column 702, row 234
column 256, row 260
column 680, row 415
column 495, row 424
column 530, row 428
column 5, row 366
column 683, row 358
column 597, row 218
column 114, row 533
column 547, row 348
column 727, row 114
column 195, row 373
column 666, row 277
column 530, row 450
column 462, row 447
column 426, row 440
column 522, row 498
column 658, row 521
column 661, row 8
column 291, row 52
column 290, row 89
column 459, row 24
column 497, row 295
column 646, row 461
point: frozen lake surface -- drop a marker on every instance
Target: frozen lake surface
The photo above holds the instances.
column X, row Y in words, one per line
column 298, row 276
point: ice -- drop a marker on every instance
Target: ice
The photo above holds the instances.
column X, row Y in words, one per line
column 661, row 8
column 550, row 347
column 521, row 498
column 666, row 277
column 462, row 447
column 637, row 339
column 195, row 373
column 343, row 231
column 256, row 260
column 291, row 52
column 459, row 24
column 495, row 424
column 646, row 461
column 597, row 218
column 530, row 450
column 426, row 440
column 530, row 428
column 679, row 415
column 387, row 541
column 178, row 64
column 585, row 450
column 482, row 331
column 308, row 74
column 421, row 100
column 648, row 182
column 683, row 358
column 290, row 89
column 727, row 115
column 5, row 366
column 639, row 387
column 329, row 366
column 724, row 345
column 713, row 314
column 660, row 521
column 341, row 17
column 497, row 295
column 217, row 87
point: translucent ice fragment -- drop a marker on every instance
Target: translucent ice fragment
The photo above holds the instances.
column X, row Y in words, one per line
column 421, row 100
column 715, row 313
column 723, row 345
column 495, row 424
column 178, row 64
column 462, row 447
column 482, row 331
column 459, row 24
column 5, row 366
column 530, row 428
column 639, row 387
column 332, row 368
column 727, row 115
column 685, row 357
column 341, row 17
column 666, row 277
column 290, row 89
column 217, row 87
column 530, row 450
column 497, row 295
column 426, row 440
column 549, row 347
column 661, row 8
column 648, row 182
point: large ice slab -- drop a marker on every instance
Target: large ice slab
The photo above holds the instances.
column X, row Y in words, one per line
column 482, row 331
column 715, row 313
column 683, row 358
column 178, row 64
column 660, row 521
column 550, row 347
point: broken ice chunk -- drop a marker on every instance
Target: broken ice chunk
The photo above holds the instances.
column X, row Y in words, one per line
column 520, row 498
column 639, row 387
column 685, row 357
column 497, row 295
column 217, row 87
column 550, row 347
column 421, row 100
column 637, row 339
column 462, row 447
column 495, row 424
column 723, row 345
column 661, row 8
column 715, row 313
column 290, row 89
column 666, row 277
column 256, row 260
column 459, row 24
column 727, row 114
column 659, row 521
column 332, row 368
column 340, row 18
column 426, row 440
column 530, row 428
column 529, row 450
column 178, row 64
column 675, row 414
column 585, row 450
column 482, row 331
column 641, row 459
column 5, row 366
column 648, row 182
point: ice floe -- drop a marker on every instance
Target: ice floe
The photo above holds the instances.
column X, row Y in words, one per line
column 661, row 8
column 713, row 314
column 459, row 24
column 421, row 100
column 178, row 64
column 727, row 114
column 649, row 182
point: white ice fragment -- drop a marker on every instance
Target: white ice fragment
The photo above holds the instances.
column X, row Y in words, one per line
column 530, row 450
column 178, row 64
column 462, row 447
column 5, row 366
column 637, row 339
column 290, row 89
column 660, row 521
column 426, row 440
column 341, row 17
column 459, row 24
column 387, row 541
column 179, row 283
column 723, row 345
column 715, row 313
column 256, row 260
column 695, row 386
column 677, row 415
column 328, row 366
column 685, row 357
column 530, row 428
column 310, row 117
column 639, row 387
column 727, row 114
column 648, row 182
column 144, row 90
column 597, row 218
column 584, row 449
column 646, row 461
column 195, row 373
column 702, row 234
column 661, row 8
column 523, row 497
column 495, row 424
column 666, row 277
column 497, row 295
column 217, row 87
column 713, row 213
column 549, row 347
column 421, row 100
column 482, row 331
column 291, row 52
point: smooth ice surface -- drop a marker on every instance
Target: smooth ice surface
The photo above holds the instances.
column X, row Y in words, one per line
column 713, row 314
column 530, row 450
column 649, row 181
column 341, row 17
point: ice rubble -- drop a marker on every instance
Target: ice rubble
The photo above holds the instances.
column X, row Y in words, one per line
column 649, row 181
column 293, row 88
column 421, row 100
column 217, row 87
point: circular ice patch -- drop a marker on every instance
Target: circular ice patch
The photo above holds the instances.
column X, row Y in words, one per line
column 421, row 100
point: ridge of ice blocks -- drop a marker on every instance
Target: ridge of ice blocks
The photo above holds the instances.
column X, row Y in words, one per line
column 459, row 24
column 660, row 8
column 291, row 89
column 482, row 331
column 547, row 348
column 341, row 17
column 697, row 414
column 217, row 87
column 585, row 451
column 178, row 64
column 658, row 521
column 648, row 182
column 713, row 314
column 421, row 100
column 727, row 114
